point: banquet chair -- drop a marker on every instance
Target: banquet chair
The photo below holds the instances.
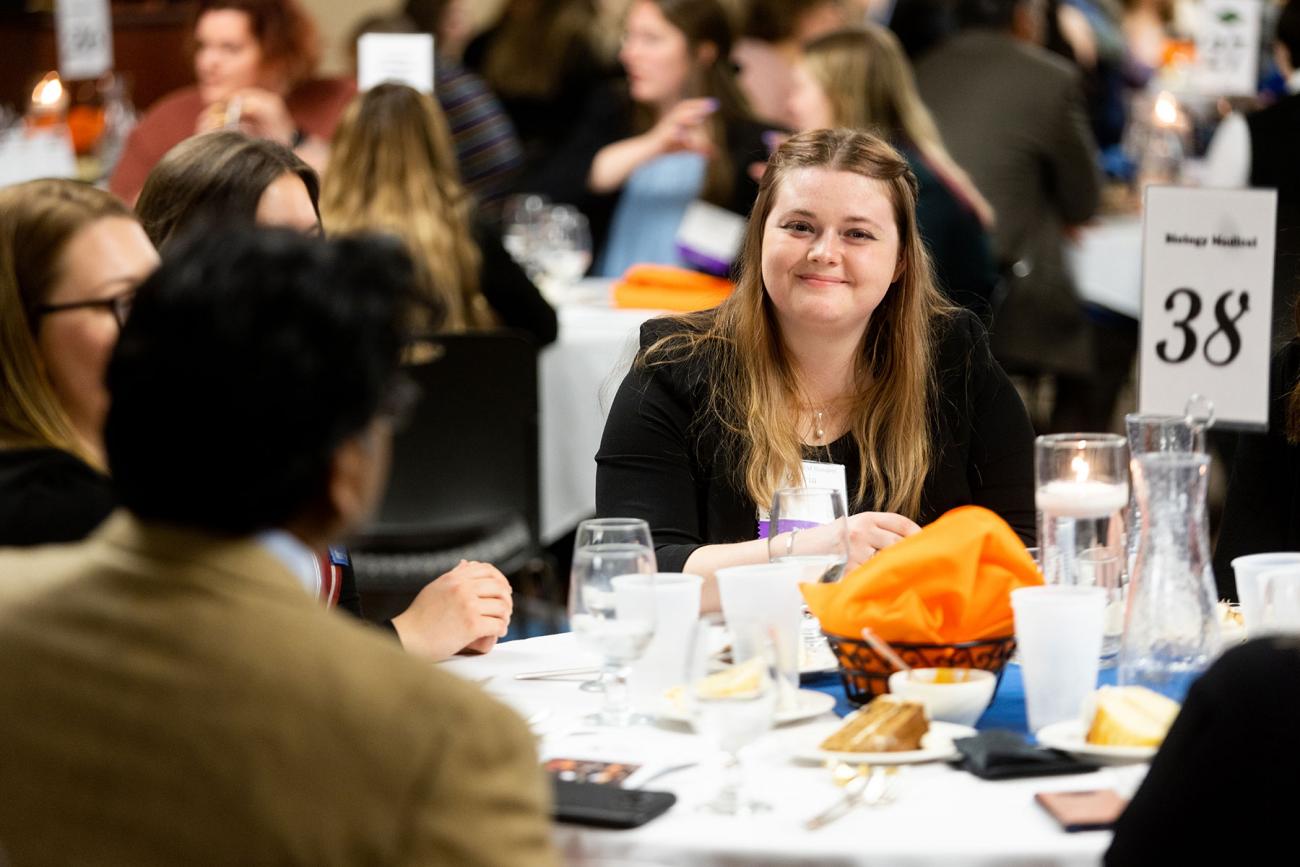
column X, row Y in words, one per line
column 464, row 482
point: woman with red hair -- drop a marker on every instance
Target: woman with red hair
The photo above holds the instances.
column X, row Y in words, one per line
column 253, row 67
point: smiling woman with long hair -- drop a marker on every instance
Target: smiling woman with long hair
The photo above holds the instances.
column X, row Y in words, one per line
column 835, row 348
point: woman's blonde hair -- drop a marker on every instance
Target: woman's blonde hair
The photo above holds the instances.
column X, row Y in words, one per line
column 37, row 220
column 393, row 169
column 869, row 84
column 756, row 395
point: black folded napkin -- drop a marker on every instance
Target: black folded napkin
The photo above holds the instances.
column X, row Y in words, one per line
column 999, row 754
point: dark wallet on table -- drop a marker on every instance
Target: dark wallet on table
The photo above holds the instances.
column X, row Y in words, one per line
column 1004, row 755
column 607, row 806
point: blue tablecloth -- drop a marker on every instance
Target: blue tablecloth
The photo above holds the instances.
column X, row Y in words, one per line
column 1006, row 712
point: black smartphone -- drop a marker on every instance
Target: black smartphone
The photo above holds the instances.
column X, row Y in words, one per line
column 607, row 806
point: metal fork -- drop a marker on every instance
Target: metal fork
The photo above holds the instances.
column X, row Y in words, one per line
column 873, row 788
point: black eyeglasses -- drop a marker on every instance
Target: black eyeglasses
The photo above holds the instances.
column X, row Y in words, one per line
column 119, row 305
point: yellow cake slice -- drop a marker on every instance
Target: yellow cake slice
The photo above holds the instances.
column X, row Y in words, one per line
column 1131, row 716
column 888, row 724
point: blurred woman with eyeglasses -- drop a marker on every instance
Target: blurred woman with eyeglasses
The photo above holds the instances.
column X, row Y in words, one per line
column 70, row 259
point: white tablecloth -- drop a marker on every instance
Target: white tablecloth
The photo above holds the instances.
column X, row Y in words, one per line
column 1106, row 260
column 579, row 374
column 941, row 816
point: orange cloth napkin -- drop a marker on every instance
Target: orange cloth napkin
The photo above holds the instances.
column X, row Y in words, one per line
column 950, row 582
column 663, row 287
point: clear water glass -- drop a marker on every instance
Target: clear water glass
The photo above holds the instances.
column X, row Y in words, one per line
column 522, row 218
column 809, row 527
column 732, row 707
column 564, row 247
column 605, row 548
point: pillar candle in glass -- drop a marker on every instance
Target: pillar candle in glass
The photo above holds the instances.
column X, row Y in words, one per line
column 1081, row 490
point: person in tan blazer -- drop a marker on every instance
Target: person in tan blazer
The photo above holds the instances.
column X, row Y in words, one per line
column 173, row 692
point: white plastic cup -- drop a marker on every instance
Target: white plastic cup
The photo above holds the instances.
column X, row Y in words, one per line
column 1058, row 640
column 1248, row 570
column 766, row 595
column 1279, row 591
column 676, row 600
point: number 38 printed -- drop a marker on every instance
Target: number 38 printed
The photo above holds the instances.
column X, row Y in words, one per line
column 1213, row 348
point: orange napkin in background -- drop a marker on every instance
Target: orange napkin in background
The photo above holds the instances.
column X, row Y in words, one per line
column 951, row 582
column 664, row 287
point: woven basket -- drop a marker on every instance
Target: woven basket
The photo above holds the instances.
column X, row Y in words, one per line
column 866, row 673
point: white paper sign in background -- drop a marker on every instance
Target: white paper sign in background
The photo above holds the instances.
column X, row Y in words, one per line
column 29, row 154
column 85, row 33
column 1227, row 47
column 402, row 58
column 1207, row 297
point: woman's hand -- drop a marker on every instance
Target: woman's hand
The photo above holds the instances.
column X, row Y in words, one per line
column 253, row 110
column 468, row 608
column 871, row 531
column 684, row 127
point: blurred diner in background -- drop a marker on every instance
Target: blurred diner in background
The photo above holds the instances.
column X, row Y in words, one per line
column 851, row 411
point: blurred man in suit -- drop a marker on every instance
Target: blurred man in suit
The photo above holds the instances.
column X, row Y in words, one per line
column 1013, row 116
column 173, row 693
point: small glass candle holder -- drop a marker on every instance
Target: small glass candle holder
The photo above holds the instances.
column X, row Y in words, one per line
column 1081, row 491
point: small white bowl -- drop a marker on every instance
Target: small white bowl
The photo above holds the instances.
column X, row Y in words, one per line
column 961, row 702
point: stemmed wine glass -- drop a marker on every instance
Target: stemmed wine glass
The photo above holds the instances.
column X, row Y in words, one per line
column 732, row 707
column 809, row 527
column 605, row 620
column 564, row 249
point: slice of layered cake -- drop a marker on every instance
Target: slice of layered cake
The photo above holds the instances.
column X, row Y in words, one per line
column 1131, row 716
column 887, row 725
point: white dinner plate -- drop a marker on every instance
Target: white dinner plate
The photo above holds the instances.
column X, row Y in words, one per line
column 809, row 704
column 936, row 746
column 1069, row 735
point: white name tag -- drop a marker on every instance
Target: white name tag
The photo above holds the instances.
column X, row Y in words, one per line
column 819, row 475
column 1207, row 298
column 400, row 58
column 85, row 34
column 709, row 237
column 815, row 475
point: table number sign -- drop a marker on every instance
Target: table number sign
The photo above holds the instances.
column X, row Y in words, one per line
column 1207, row 293
column 1227, row 45
column 85, row 35
column 400, row 58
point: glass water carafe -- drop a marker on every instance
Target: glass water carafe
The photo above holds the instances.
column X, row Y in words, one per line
column 1171, row 632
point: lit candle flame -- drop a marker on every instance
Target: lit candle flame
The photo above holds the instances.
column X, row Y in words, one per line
column 48, row 92
column 1080, row 467
column 1166, row 109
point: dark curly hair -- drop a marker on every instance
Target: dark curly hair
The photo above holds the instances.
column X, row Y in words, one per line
column 249, row 357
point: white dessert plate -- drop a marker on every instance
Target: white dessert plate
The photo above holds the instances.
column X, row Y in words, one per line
column 1069, row 735
column 809, row 704
column 936, row 746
